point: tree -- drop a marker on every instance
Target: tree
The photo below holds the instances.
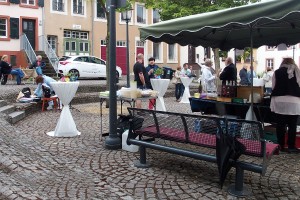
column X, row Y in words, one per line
column 170, row 9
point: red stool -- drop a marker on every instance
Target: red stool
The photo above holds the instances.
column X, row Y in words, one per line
column 55, row 102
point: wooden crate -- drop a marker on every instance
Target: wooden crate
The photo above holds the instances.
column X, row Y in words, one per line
column 245, row 91
column 224, row 99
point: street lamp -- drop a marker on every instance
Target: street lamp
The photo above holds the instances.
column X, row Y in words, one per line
column 126, row 15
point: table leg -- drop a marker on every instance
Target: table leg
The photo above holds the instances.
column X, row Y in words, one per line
column 160, row 104
column 186, row 95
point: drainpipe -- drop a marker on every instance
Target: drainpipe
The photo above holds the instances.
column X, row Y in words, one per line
column 92, row 43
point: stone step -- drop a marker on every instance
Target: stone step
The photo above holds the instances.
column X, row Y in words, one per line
column 7, row 109
column 2, row 103
column 16, row 116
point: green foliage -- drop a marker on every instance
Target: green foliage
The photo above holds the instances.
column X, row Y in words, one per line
column 158, row 72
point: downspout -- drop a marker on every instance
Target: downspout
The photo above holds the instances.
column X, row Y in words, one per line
column 92, row 17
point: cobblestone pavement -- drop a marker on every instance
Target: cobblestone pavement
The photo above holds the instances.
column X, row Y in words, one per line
column 36, row 166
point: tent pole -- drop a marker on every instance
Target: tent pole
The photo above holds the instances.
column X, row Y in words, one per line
column 251, row 67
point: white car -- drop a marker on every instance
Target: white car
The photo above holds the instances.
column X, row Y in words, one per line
column 85, row 66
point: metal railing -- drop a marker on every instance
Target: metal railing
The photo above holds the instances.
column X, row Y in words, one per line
column 26, row 46
column 46, row 47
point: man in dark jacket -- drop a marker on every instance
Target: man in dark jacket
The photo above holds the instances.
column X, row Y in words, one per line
column 229, row 72
column 244, row 76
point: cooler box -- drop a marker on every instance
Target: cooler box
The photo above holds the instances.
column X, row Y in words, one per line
column 168, row 73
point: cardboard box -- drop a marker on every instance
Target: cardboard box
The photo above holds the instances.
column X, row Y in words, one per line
column 245, row 91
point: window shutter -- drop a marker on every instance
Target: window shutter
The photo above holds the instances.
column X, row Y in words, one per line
column 14, row 28
column 41, row 3
column 15, row 1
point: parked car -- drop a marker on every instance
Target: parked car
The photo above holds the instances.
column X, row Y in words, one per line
column 85, row 66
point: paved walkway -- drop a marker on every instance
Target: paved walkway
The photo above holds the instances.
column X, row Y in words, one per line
column 36, row 166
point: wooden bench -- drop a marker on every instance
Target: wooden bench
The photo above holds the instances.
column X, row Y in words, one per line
column 202, row 131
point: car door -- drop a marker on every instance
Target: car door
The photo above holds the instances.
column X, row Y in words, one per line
column 85, row 68
column 99, row 66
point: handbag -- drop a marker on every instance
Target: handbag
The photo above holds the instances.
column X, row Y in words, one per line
column 174, row 80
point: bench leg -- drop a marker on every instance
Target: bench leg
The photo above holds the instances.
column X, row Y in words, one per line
column 238, row 189
column 142, row 163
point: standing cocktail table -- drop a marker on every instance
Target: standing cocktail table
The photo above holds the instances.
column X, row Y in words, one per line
column 186, row 81
column 160, row 85
column 66, row 126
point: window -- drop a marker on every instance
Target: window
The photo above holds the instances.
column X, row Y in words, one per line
column 140, row 14
column 73, row 46
column 58, row 5
column 157, row 51
column 270, row 48
column 78, row 7
column 140, row 44
column 97, row 61
column 103, row 42
column 172, row 53
column 270, row 62
column 121, row 43
column 82, row 59
column 83, row 46
column 156, row 16
column 70, row 46
column 28, row 2
column 100, row 11
column 3, row 28
column 52, row 40
column 67, row 34
column 76, row 34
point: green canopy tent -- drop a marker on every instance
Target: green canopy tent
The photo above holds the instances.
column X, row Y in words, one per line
column 266, row 23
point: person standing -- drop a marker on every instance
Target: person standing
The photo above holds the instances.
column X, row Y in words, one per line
column 6, row 69
column 267, row 77
column 207, row 78
column 186, row 71
column 244, row 76
column 229, row 72
column 285, row 102
column 178, row 85
column 38, row 65
column 249, row 75
column 151, row 68
column 140, row 76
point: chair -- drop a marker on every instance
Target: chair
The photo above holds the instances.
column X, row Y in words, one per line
column 56, row 103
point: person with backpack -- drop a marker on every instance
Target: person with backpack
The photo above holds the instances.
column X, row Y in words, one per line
column 44, row 88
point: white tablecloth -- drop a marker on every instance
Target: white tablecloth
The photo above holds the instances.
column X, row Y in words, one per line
column 160, row 85
column 66, row 126
column 186, row 81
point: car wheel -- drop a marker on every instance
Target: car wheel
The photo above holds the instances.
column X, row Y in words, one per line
column 74, row 71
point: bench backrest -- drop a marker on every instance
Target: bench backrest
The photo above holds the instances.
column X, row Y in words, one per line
column 199, row 129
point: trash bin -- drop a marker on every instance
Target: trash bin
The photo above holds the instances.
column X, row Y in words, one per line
column 168, row 73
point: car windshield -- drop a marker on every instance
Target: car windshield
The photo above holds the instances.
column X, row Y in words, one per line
column 64, row 58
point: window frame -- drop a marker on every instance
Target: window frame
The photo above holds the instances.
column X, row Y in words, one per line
column 159, row 20
column 96, row 18
column 7, row 37
column 83, row 8
column 27, row 5
column 160, row 58
column 65, row 7
column 145, row 14
column 267, row 59
column 175, row 60
column 4, row 2
column 270, row 48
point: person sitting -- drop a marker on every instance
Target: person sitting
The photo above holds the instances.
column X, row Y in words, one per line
column 38, row 65
column 44, row 82
column 6, row 69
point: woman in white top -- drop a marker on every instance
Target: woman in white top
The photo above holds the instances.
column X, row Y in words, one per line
column 285, row 102
column 267, row 77
column 207, row 78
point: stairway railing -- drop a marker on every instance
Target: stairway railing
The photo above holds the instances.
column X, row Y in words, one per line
column 46, row 47
column 26, row 46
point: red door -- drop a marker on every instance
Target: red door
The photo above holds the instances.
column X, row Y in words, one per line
column 120, row 57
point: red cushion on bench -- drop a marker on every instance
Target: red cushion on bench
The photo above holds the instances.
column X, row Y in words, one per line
column 253, row 147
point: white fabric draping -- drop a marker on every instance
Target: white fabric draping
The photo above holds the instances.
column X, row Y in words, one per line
column 186, row 81
column 66, row 126
column 160, row 85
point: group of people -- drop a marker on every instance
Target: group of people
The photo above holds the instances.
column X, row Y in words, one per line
column 6, row 69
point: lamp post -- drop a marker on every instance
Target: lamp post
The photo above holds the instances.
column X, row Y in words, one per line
column 126, row 15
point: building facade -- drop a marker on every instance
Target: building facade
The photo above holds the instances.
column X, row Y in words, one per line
column 18, row 17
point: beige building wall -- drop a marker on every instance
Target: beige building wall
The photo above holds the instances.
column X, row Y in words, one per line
column 56, row 22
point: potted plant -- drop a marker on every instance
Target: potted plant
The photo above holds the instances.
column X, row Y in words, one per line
column 158, row 73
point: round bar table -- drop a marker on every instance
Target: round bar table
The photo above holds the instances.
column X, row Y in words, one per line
column 186, row 81
column 160, row 85
column 66, row 126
